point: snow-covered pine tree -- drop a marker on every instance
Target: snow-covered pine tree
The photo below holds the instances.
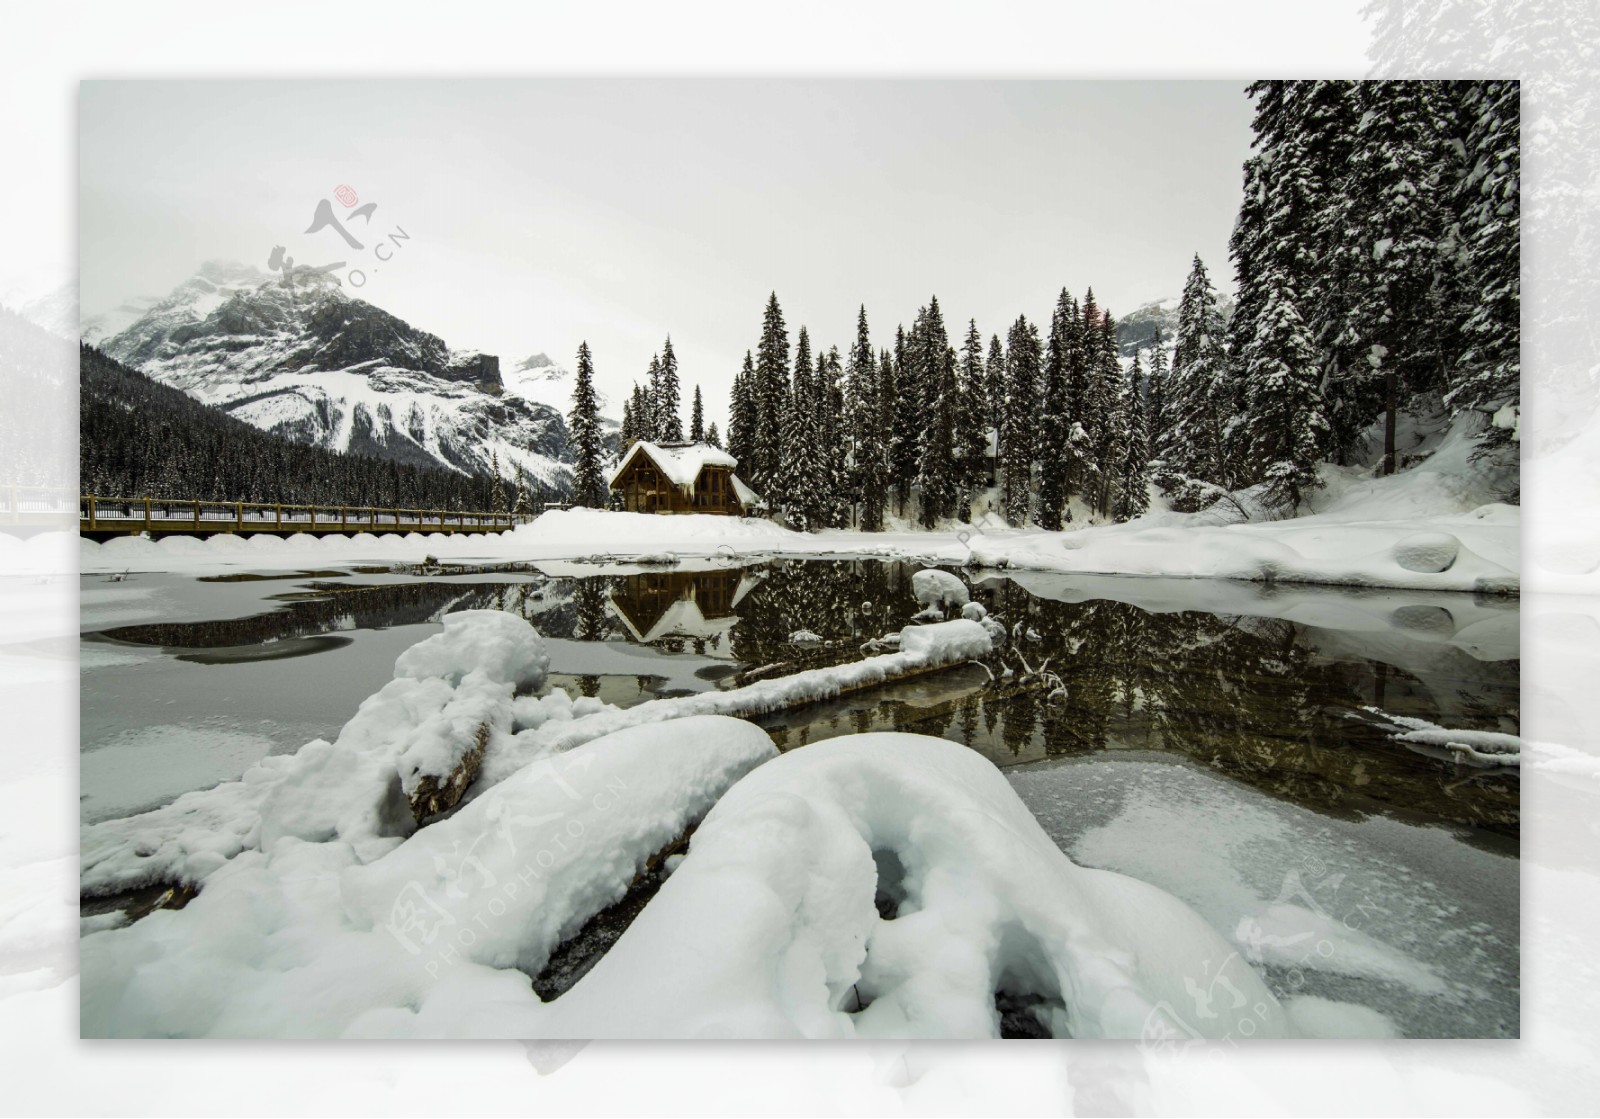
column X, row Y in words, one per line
column 1288, row 426
column 873, row 452
column 1054, row 419
column 1132, row 491
column 497, row 489
column 861, row 417
column 798, row 487
column 669, row 420
column 1488, row 375
column 834, row 442
column 972, row 438
column 697, row 418
column 652, row 424
column 583, row 427
column 994, row 376
column 935, row 364
column 713, row 437
column 772, row 393
column 744, row 418
column 522, row 506
column 1156, row 421
column 1019, row 438
column 1105, row 391
column 1394, row 187
column 1198, row 382
column 906, row 431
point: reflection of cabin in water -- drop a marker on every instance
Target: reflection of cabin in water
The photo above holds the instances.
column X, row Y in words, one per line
column 699, row 604
column 682, row 478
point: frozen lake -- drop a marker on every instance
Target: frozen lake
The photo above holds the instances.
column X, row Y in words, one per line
column 1216, row 739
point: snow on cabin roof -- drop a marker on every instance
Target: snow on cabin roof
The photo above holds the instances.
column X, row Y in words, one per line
column 680, row 462
column 747, row 496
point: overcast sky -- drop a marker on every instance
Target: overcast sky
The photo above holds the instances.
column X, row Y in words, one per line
column 543, row 213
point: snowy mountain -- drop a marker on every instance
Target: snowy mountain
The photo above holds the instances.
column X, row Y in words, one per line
column 1137, row 327
column 299, row 357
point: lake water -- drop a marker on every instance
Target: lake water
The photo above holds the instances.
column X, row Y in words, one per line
column 1225, row 741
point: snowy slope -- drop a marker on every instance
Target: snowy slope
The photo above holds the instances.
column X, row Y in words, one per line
column 308, row 361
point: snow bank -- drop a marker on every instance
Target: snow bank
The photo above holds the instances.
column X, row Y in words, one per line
column 312, row 939
column 772, row 930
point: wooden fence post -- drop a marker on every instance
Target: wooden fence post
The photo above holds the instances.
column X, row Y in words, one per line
column 147, row 514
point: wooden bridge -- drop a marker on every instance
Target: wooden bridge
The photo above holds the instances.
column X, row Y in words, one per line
column 103, row 518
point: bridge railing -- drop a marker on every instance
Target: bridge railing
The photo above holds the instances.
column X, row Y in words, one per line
column 125, row 514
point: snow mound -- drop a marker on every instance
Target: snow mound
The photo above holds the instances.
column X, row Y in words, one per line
column 1427, row 551
column 934, row 587
column 772, row 929
column 501, row 646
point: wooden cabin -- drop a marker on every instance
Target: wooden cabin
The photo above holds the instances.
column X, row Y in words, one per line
column 682, row 478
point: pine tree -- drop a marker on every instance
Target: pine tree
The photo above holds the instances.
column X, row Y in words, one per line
column 651, row 421
column 1288, row 427
column 833, row 444
column 744, row 412
column 1055, row 419
column 934, row 361
column 1132, row 495
column 1103, row 409
column 583, row 426
column 799, row 478
column 771, row 394
column 971, row 425
column 497, row 491
column 522, row 506
column 712, row 437
column 1156, row 419
column 861, row 419
column 669, row 422
column 906, row 430
column 995, row 382
column 1018, row 442
column 1198, row 382
column 697, row 418
column 872, row 450
column 1488, row 375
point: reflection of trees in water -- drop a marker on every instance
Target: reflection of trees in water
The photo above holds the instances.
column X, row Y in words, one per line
column 1248, row 696
column 593, row 623
column 844, row 603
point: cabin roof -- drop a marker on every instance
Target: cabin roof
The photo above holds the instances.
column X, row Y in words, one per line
column 680, row 462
